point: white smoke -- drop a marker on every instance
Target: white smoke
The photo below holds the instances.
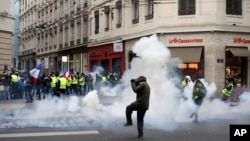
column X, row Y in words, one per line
column 166, row 111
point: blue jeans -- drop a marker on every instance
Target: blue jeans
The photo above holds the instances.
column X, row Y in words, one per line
column 28, row 93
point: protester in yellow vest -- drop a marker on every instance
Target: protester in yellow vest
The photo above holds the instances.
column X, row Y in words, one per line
column 53, row 82
column 199, row 93
column 227, row 91
column 14, row 90
column 74, row 84
column 68, row 88
column 61, row 85
column 81, row 84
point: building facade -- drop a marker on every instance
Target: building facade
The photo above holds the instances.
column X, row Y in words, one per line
column 28, row 34
column 15, row 39
column 210, row 37
column 6, row 33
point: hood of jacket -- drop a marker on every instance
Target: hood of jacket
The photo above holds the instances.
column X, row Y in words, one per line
column 140, row 79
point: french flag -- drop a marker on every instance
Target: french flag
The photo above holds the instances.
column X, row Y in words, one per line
column 67, row 74
column 35, row 72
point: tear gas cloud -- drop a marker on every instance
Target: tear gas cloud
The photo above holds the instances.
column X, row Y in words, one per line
column 166, row 110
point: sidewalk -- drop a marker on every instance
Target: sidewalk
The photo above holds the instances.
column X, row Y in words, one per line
column 18, row 105
column 11, row 106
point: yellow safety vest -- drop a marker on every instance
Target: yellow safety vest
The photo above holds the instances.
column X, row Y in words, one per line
column 14, row 78
column 228, row 92
column 63, row 82
column 184, row 83
column 54, row 81
column 104, row 79
column 74, row 81
column 69, row 81
column 81, row 81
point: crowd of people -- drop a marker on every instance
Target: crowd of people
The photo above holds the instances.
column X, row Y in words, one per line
column 199, row 92
column 19, row 84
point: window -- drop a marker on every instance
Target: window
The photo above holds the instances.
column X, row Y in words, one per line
column 79, row 30
column 85, row 30
column 61, row 36
column 72, row 36
column 107, row 13
column 119, row 13
column 186, row 7
column 234, row 7
column 135, row 9
column 66, row 36
column 149, row 9
column 96, row 22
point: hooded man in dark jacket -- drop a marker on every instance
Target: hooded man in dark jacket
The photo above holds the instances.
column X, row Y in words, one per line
column 141, row 105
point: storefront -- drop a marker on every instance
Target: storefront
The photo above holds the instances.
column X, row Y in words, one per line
column 73, row 60
column 49, row 62
column 109, row 57
column 209, row 55
column 212, row 56
column 237, row 61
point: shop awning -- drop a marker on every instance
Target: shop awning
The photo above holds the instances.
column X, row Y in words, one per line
column 187, row 54
column 240, row 52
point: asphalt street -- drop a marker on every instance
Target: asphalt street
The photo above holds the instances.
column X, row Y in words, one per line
column 205, row 130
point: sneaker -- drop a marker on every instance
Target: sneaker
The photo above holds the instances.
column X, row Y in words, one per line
column 127, row 124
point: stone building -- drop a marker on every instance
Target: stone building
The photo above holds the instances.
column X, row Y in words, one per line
column 6, row 33
column 210, row 37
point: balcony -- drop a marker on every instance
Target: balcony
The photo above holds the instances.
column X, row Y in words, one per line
column 71, row 43
column 78, row 41
column 149, row 17
column 119, row 25
column 135, row 21
column 60, row 46
column 66, row 44
column 78, row 9
column 106, row 29
column 85, row 39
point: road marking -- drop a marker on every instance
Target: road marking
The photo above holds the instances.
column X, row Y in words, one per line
column 48, row 134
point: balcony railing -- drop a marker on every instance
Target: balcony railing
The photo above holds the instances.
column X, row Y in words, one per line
column 72, row 43
column 78, row 41
column 60, row 46
column 85, row 39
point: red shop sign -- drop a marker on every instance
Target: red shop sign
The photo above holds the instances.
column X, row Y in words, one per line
column 178, row 40
column 241, row 40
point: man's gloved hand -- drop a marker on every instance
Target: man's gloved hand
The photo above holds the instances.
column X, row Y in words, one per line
column 132, row 80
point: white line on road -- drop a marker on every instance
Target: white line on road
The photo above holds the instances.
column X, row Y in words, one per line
column 48, row 134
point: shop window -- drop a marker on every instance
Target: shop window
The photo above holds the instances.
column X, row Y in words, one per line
column 236, row 65
column 94, row 64
column 78, row 62
column 105, row 65
column 194, row 70
column 116, row 65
